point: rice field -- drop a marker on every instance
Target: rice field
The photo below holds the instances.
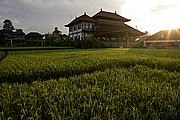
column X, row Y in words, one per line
column 90, row 84
column 1, row 55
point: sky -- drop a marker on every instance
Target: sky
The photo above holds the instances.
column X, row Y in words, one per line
column 44, row 15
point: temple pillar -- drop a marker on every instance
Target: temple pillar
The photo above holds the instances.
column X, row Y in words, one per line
column 127, row 39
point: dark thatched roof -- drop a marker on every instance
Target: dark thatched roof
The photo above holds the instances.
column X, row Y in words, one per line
column 82, row 18
column 110, row 16
column 108, row 23
column 117, row 28
column 19, row 32
column 34, row 34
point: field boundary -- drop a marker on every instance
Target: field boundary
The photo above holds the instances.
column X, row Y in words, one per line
column 5, row 50
column 5, row 55
column 35, row 48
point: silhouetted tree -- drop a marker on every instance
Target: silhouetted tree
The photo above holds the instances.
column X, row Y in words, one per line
column 56, row 31
column 8, row 25
column 146, row 33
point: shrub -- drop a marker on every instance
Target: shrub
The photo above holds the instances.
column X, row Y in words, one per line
column 91, row 42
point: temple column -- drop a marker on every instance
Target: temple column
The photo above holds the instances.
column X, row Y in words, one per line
column 127, row 39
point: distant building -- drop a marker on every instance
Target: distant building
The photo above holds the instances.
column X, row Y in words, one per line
column 5, row 35
column 12, row 38
column 34, row 38
column 109, row 27
column 19, row 37
column 164, row 39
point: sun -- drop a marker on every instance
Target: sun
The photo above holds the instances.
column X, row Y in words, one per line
column 164, row 20
column 154, row 15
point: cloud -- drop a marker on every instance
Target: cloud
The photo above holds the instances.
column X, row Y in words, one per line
column 44, row 15
column 152, row 15
column 162, row 8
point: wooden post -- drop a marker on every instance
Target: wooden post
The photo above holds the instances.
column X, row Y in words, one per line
column 11, row 42
column 127, row 39
column 176, row 44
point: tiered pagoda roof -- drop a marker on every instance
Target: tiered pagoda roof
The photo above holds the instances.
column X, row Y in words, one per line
column 108, row 23
column 105, row 27
column 110, row 16
column 82, row 18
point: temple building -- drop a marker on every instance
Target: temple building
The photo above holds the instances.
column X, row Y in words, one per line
column 107, row 26
column 164, row 39
column 34, row 38
column 11, row 38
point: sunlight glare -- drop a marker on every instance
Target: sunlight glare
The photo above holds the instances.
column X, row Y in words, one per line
column 153, row 15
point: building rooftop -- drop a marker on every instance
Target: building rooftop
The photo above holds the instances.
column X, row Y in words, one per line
column 18, row 32
column 110, row 16
column 166, row 35
column 114, row 28
column 82, row 18
column 33, row 34
column 108, row 23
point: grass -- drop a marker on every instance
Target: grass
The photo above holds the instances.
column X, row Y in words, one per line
column 1, row 54
column 33, row 48
column 90, row 84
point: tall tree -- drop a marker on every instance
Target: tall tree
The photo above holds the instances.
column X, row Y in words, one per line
column 8, row 25
column 56, row 31
column 146, row 33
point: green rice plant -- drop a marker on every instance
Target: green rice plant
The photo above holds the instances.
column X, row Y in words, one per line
column 96, row 84
column 136, row 92
column 2, row 55
column 29, row 66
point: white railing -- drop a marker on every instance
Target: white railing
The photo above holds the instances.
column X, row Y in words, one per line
column 162, row 41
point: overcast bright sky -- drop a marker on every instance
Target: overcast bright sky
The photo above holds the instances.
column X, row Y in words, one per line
column 44, row 15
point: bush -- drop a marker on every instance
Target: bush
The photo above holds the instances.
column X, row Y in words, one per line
column 59, row 40
column 91, row 42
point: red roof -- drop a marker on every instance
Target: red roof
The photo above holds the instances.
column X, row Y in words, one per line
column 82, row 18
column 166, row 35
column 110, row 16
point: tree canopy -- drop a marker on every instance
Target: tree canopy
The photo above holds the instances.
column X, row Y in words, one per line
column 8, row 25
